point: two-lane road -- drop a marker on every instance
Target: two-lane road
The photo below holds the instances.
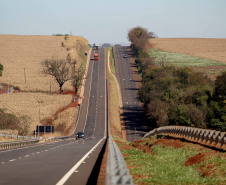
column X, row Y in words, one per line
column 132, row 111
column 66, row 161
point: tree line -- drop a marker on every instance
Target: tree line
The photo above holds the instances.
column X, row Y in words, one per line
column 177, row 96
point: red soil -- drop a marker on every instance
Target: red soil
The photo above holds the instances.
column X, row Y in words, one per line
column 195, row 159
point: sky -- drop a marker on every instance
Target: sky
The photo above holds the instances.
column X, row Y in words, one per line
column 108, row 21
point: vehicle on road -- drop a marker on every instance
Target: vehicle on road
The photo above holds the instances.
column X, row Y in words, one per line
column 96, row 57
column 125, row 56
column 80, row 135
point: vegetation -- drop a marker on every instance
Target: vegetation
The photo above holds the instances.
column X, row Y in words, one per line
column 113, row 97
column 1, row 69
column 58, row 69
column 181, row 60
column 12, row 122
column 168, row 161
column 177, row 96
column 78, row 77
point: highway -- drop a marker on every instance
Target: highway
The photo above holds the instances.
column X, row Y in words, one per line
column 66, row 161
column 132, row 111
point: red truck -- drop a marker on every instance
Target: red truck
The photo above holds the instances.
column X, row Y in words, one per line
column 96, row 57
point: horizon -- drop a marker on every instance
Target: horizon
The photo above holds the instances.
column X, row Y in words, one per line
column 109, row 22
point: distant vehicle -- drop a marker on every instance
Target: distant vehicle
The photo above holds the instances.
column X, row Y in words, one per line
column 96, row 57
column 96, row 46
column 125, row 56
column 80, row 135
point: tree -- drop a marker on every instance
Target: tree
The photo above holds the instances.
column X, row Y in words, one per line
column 1, row 69
column 59, row 69
column 77, row 77
column 152, row 35
column 139, row 37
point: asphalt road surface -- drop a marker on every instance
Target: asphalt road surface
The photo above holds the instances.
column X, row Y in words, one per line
column 132, row 111
column 66, row 161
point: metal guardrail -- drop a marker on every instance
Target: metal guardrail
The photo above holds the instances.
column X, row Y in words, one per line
column 13, row 144
column 18, row 137
column 207, row 137
column 116, row 169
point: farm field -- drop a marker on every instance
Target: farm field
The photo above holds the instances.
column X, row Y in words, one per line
column 22, row 56
column 202, row 55
column 28, row 104
column 212, row 49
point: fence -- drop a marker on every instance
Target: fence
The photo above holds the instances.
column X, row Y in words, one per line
column 207, row 137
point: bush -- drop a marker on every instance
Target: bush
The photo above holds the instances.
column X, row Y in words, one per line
column 10, row 121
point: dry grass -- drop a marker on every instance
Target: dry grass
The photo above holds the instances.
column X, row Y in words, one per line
column 213, row 49
column 76, row 47
column 116, row 130
column 22, row 56
column 28, row 104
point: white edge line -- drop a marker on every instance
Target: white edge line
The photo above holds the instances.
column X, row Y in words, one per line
column 74, row 168
column 89, row 96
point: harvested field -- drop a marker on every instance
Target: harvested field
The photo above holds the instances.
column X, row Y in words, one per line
column 202, row 55
column 22, row 55
column 213, row 49
column 28, row 104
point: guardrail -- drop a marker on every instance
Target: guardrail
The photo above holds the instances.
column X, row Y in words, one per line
column 207, row 137
column 18, row 137
column 13, row 144
column 116, row 170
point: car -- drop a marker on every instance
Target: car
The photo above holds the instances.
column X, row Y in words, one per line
column 80, row 135
column 125, row 56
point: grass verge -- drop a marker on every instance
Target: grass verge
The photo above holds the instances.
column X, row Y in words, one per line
column 167, row 161
column 113, row 101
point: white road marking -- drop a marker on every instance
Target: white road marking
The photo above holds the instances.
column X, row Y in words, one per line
column 12, row 160
column 73, row 169
column 27, row 156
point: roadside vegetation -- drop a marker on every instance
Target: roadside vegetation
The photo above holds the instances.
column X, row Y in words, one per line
column 177, row 96
column 169, row 161
column 114, row 107
column 1, row 69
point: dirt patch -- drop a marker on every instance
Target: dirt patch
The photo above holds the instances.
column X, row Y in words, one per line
column 123, row 146
column 170, row 143
column 194, row 160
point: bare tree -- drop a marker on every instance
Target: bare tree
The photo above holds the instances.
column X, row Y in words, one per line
column 59, row 69
column 77, row 77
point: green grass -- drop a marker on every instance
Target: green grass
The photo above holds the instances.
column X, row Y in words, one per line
column 182, row 60
column 166, row 166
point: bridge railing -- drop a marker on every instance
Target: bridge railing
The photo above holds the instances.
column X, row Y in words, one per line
column 207, row 137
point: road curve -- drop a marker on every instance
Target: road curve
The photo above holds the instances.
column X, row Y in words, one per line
column 53, row 163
